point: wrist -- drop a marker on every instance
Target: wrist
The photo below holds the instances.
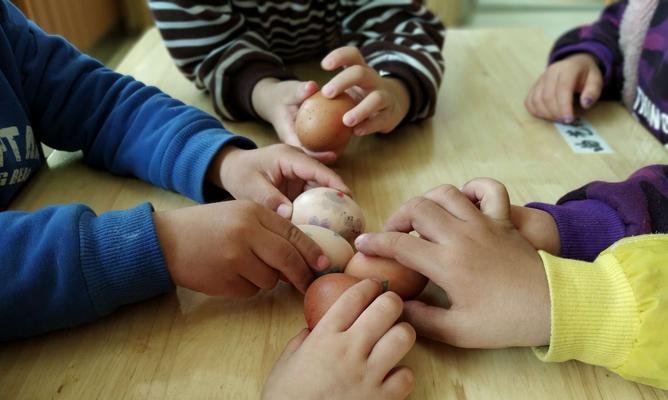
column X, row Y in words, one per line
column 261, row 98
column 215, row 172
column 400, row 93
column 167, row 239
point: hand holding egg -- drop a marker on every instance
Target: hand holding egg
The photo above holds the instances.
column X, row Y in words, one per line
column 328, row 216
column 319, row 123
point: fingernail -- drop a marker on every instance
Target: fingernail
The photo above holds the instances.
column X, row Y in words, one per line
column 327, row 90
column 360, row 240
column 588, row 102
column 322, row 263
column 383, row 284
column 284, row 211
column 349, row 119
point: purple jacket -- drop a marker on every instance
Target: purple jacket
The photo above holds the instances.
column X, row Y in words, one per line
column 630, row 41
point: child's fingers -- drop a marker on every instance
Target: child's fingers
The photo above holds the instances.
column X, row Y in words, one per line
column 374, row 124
column 342, row 57
column 373, row 103
column 307, row 90
column 454, row 202
column 432, row 322
column 564, row 95
column 293, row 345
column 290, row 249
column 391, row 348
column 592, row 89
column 297, row 165
column 423, row 215
column 347, row 308
column 376, row 320
column 399, row 383
column 259, row 274
column 529, row 100
column 281, row 254
column 540, row 106
column 410, row 251
column 492, row 195
column 359, row 75
column 549, row 95
column 262, row 191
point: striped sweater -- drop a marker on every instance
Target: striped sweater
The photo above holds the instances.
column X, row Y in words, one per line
column 226, row 47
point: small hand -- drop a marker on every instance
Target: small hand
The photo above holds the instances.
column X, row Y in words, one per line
column 493, row 277
column 277, row 102
column 551, row 97
column 235, row 248
column 272, row 176
column 382, row 102
column 352, row 354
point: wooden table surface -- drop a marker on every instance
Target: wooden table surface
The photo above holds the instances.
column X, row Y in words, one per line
column 186, row 345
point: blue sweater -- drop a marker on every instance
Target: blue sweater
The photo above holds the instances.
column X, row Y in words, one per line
column 63, row 265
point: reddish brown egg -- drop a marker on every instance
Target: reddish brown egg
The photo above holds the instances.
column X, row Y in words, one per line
column 322, row 293
column 395, row 277
column 319, row 122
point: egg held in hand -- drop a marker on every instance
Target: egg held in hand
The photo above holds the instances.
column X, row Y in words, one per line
column 335, row 247
column 322, row 293
column 319, row 122
column 395, row 277
column 331, row 209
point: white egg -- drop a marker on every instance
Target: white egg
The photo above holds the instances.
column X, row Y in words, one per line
column 331, row 209
column 335, row 247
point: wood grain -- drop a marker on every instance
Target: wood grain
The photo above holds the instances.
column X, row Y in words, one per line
column 187, row 345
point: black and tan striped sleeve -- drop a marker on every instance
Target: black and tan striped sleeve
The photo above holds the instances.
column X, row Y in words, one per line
column 405, row 39
column 213, row 47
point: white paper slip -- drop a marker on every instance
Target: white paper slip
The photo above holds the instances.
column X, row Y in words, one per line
column 583, row 138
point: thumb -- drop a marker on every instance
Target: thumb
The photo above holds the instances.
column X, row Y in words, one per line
column 294, row 344
column 265, row 193
column 432, row 322
column 591, row 91
column 306, row 90
column 410, row 251
column 492, row 196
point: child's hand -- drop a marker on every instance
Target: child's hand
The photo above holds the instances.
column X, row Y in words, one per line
column 493, row 277
column 272, row 176
column 538, row 227
column 551, row 97
column 383, row 102
column 277, row 102
column 235, row 248
column 351, row 354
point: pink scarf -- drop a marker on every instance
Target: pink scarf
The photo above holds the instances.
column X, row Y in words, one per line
column 632, row 32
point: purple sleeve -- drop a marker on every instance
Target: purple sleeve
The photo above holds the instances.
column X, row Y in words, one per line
column 601, row 39
column 592, row 218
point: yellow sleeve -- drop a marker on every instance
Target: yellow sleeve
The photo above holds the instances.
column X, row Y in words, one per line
column 613, row 312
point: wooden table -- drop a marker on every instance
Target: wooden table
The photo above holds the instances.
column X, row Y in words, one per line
column 187, row 346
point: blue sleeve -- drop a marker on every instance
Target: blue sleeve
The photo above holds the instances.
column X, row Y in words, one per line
column 64, row 265
column 120, row 124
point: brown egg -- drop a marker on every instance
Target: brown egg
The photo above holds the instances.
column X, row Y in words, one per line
column 322, row 293
column 395, row 277
column 335, row 247
column 330, row 209
column 319, row 122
